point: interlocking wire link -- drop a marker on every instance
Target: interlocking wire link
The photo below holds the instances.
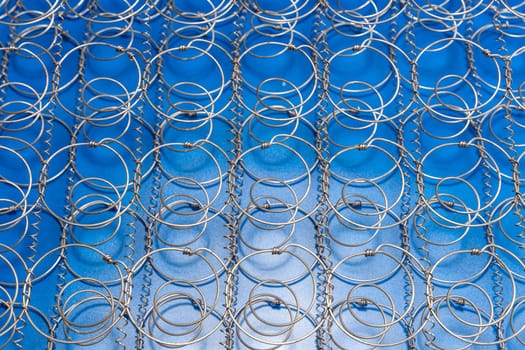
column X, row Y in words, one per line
column 262, row 174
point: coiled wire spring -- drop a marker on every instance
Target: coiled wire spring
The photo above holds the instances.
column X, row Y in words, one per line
column 257, row 174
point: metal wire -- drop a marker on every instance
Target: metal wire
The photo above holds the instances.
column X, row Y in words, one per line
column 262, row 174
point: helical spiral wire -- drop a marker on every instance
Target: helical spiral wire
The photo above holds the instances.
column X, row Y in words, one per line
column 260, row 174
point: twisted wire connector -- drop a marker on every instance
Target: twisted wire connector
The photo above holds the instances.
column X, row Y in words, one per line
column 475, row 251
column 362, row 302
column 459, row 301
column 109, row 259
column 369, row 253
column 275, row 303
column 356, row 204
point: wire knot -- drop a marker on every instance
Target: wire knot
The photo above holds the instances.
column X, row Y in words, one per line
column 361, row 302
column 107, row 258
column 356, row 204
column 369, row 253
column 475, row 251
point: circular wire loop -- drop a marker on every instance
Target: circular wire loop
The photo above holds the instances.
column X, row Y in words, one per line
column 262, row 174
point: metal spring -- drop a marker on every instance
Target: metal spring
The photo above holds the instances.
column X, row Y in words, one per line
column 256, row 175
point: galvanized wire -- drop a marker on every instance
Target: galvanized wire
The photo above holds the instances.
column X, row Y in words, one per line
column 262, row 174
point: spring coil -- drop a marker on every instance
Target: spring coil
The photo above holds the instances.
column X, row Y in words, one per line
column 261, row 175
